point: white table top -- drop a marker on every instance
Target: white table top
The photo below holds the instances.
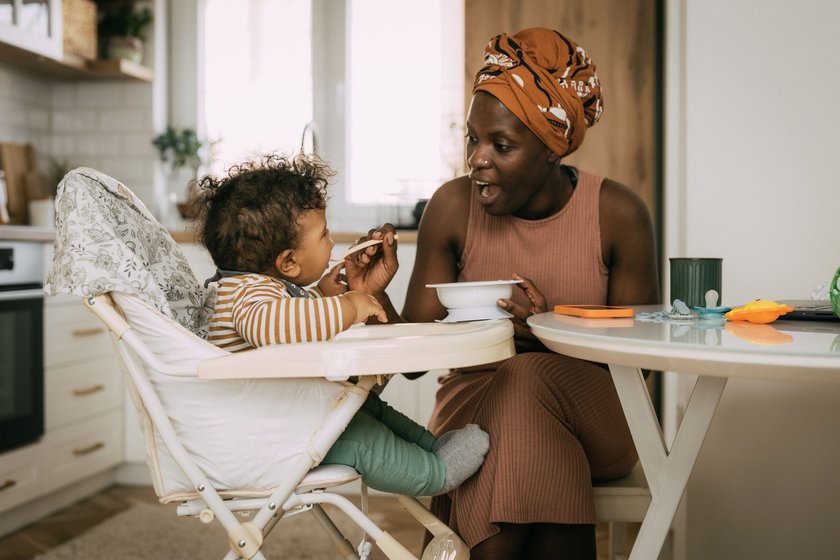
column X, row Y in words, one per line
column 782, row 350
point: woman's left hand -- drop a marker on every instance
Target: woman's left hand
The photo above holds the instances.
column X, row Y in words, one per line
column 371, row 270
column 525, row 340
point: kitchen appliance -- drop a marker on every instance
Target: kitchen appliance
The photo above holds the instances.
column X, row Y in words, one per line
column 21, row 343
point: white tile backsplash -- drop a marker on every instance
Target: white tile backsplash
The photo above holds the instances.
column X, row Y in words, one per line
column 106, row 125
column 38, row 119
column 63, row 95
column 22, row 97
column 129, row 170
column 73, row 120
column 12, row 114
column 92, row 144
column 126, row 119
column 62, row 145
column 138, row 145
column 99, row 95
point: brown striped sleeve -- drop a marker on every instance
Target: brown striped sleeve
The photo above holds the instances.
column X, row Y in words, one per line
column 263, row 313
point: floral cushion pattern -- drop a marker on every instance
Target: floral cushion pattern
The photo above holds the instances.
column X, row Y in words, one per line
column 107, row 240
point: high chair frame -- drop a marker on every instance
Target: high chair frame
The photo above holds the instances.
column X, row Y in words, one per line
column 302, row 486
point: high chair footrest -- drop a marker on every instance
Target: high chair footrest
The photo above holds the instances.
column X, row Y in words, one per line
column 327, row 476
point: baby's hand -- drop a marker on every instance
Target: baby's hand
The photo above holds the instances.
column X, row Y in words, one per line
column 333, row 283
column 365, row 306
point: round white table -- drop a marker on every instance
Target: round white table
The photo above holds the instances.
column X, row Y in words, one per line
column 716, row 350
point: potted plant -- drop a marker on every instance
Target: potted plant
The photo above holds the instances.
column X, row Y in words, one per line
column 122, row 28
column 179, row 148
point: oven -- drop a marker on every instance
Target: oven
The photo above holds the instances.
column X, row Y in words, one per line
column 21, row 343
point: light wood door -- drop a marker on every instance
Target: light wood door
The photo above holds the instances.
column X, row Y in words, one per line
column 621, row 38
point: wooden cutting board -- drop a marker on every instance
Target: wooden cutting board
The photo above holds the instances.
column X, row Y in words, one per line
column 16, row 161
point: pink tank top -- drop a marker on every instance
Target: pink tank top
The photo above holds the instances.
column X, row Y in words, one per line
column 561, row 253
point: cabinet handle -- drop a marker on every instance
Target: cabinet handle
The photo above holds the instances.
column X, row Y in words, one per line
column 88, row 390
column 8, row 483
column 89, row 449
column 88, row 332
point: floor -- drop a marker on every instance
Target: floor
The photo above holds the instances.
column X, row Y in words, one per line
column 66, row 524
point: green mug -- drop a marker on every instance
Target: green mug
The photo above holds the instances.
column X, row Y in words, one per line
column 691, row 278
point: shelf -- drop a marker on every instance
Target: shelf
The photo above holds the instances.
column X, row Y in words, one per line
column 74, row 67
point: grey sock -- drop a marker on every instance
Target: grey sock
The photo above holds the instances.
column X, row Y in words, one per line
column 462, row 452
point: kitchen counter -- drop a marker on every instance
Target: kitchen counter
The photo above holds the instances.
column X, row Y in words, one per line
column 27, row 233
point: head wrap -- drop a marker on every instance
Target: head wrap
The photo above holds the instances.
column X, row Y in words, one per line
column 547, row 81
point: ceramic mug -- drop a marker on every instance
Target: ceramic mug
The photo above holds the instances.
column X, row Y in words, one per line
column 42, row 212
column 691, row 278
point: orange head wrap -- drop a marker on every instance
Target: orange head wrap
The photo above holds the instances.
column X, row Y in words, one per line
column 547, row 81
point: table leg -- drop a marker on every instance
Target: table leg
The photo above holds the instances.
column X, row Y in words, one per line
column 666, row 471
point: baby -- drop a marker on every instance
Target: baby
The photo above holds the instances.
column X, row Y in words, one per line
column 265, row 227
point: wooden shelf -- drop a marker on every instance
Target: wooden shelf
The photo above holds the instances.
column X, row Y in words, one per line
column 74, row 67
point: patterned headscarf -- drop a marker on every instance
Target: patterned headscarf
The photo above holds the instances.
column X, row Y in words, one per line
column 547, row 81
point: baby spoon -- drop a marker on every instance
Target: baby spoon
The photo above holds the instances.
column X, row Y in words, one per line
column 364, row 245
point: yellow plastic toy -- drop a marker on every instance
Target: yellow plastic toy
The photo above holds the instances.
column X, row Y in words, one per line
column 759, row 311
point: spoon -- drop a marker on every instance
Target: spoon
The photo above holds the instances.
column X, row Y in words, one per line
column 363, row 245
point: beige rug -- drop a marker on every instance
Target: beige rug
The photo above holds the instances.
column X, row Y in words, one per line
column 153, row 532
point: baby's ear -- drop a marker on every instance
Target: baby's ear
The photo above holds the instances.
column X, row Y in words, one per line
column 286, row 264
column 552, row 157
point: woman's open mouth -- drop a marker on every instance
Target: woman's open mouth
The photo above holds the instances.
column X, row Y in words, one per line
column 487, row 192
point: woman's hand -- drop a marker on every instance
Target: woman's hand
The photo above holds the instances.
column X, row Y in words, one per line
column 372, row 269
column 525, row 340
column 333, row 283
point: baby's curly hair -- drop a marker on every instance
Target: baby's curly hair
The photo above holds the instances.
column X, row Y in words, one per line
column 249, row 217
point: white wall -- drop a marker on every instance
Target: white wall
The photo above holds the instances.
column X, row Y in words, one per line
column 752, row 176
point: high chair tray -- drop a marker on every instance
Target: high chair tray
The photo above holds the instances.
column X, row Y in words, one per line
column 372, row 350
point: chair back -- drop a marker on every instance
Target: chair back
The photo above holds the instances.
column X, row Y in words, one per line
column 108, row 241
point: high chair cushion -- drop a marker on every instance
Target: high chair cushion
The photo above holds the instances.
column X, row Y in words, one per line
column 242, row 434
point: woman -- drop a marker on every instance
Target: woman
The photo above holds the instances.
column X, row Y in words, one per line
column 555, row 422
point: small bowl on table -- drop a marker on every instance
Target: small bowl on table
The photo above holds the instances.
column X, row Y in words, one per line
column 474, row 301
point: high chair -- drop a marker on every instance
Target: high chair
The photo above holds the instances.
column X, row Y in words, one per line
column 224, row 441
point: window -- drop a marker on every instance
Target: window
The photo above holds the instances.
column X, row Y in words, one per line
column 404, row 105
column 382, row 81
column 257, row 77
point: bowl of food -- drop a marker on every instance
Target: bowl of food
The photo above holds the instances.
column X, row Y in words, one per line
column 474, row 301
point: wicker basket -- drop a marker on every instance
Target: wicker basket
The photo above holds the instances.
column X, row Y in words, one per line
column 80, row 28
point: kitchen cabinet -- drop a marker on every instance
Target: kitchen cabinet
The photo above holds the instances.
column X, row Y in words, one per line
column 83, row 409
column 31, row 39
column 82, row 392
column 33, row 26
column 21, row 475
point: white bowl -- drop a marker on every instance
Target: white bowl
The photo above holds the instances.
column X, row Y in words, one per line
column 473, row 295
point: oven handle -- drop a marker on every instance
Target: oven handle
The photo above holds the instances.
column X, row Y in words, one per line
column 22, row 294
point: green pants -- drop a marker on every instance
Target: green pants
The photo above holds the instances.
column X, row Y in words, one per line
column 391, row 452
